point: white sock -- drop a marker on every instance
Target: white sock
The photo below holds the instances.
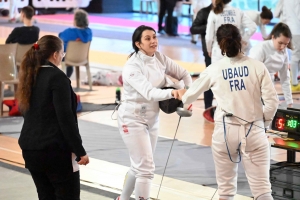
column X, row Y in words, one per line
column 128, row 185
column 266, row 196
column 142, row 189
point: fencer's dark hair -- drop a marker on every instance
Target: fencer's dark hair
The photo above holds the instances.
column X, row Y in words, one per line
column 219, row 6
column 137, row 37
column 229, row 40
column 81, row 18
column 28, row 11
column 282, row 29
column 33, row 59
column 266, row 13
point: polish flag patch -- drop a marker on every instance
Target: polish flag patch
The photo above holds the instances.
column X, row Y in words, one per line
column 125, row 129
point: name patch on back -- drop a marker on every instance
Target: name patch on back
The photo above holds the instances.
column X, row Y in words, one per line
column 235, row 77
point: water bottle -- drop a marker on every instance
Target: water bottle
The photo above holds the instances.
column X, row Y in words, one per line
column 118, row 95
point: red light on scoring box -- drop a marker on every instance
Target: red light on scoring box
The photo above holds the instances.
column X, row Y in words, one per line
column 280, row 122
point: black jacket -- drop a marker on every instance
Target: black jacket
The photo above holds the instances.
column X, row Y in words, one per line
column 51, row 118
column 24, row 35
column 200, row 22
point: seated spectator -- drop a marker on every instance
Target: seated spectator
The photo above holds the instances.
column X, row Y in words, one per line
column 81, row 32
column 27, row 34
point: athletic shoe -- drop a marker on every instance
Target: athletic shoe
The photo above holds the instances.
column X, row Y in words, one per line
column 208, row 114
column 193, row 42
column 295, row 88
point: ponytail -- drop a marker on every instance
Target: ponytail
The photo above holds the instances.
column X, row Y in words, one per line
column 219, row 6
column 266, row 13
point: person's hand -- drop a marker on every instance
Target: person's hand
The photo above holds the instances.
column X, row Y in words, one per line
column 175, row 93
column 181, row 92
column 209, row 54
column 84, row 160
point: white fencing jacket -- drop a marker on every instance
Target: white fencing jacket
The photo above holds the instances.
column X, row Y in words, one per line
column 144, row 75
column 278, row 12
column 230, row 15
column 291, row 11
column 255, row 17
column 238, row 84
column 275, row 61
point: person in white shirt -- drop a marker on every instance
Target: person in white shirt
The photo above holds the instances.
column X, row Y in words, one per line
column 196, row 6
column 240, row 84
column 143, row 77
column 291, row 13
column 223, row 13
column 261, row 19
column 273, row 53
column 278, row 12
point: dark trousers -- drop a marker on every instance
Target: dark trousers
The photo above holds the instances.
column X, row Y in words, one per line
column 70, row 70
column 51, row 186
column 166, row 5
column 208, row 95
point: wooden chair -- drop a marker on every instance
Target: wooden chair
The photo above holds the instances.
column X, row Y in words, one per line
column 77, row 54
column 8, row 75
column 148, row 3
column 21, row 50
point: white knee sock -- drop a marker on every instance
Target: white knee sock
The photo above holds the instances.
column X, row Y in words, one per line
column 128, row 185
column 142, row 189
column 266, row 196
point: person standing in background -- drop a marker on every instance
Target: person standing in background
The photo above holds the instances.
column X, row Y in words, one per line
column 166, row 6
column 199, row 27
column 196, row 6
column 13, row 11
column 223, row 13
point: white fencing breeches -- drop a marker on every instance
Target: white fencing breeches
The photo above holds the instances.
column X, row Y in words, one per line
column 295, row 59
column 255, row 157
column 13, row 9
column 140, row 137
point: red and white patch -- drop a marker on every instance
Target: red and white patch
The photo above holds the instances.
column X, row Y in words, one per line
column 125, row 129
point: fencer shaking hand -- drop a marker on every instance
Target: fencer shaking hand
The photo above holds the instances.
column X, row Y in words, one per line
column 181, row 93
column 176, row 93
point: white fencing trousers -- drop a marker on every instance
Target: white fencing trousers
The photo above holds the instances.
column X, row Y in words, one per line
column 140, row 137
column 13, row 9
column 255, row 157
column 295, row 59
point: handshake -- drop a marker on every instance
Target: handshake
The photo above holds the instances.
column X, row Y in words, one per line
column 177, row 94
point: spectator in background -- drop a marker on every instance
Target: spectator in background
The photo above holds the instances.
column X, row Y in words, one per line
column 80, row 32
column 196, row 6
column 27, row 34
column 199, row 27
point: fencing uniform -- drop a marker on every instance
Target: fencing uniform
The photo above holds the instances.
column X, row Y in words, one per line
column 291, row 12
column 255, row 17
column 278, row 11
column 143, row 76
column 230, row 15
column 275, row 61
column 239, row 84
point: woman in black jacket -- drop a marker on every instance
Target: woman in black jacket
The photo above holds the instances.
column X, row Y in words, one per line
column 50, row 139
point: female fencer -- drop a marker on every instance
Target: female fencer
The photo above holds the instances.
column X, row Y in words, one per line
column 143, row 76
column 273, row 53
column 240, row 84
column 222, row 13
column 261, row 19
